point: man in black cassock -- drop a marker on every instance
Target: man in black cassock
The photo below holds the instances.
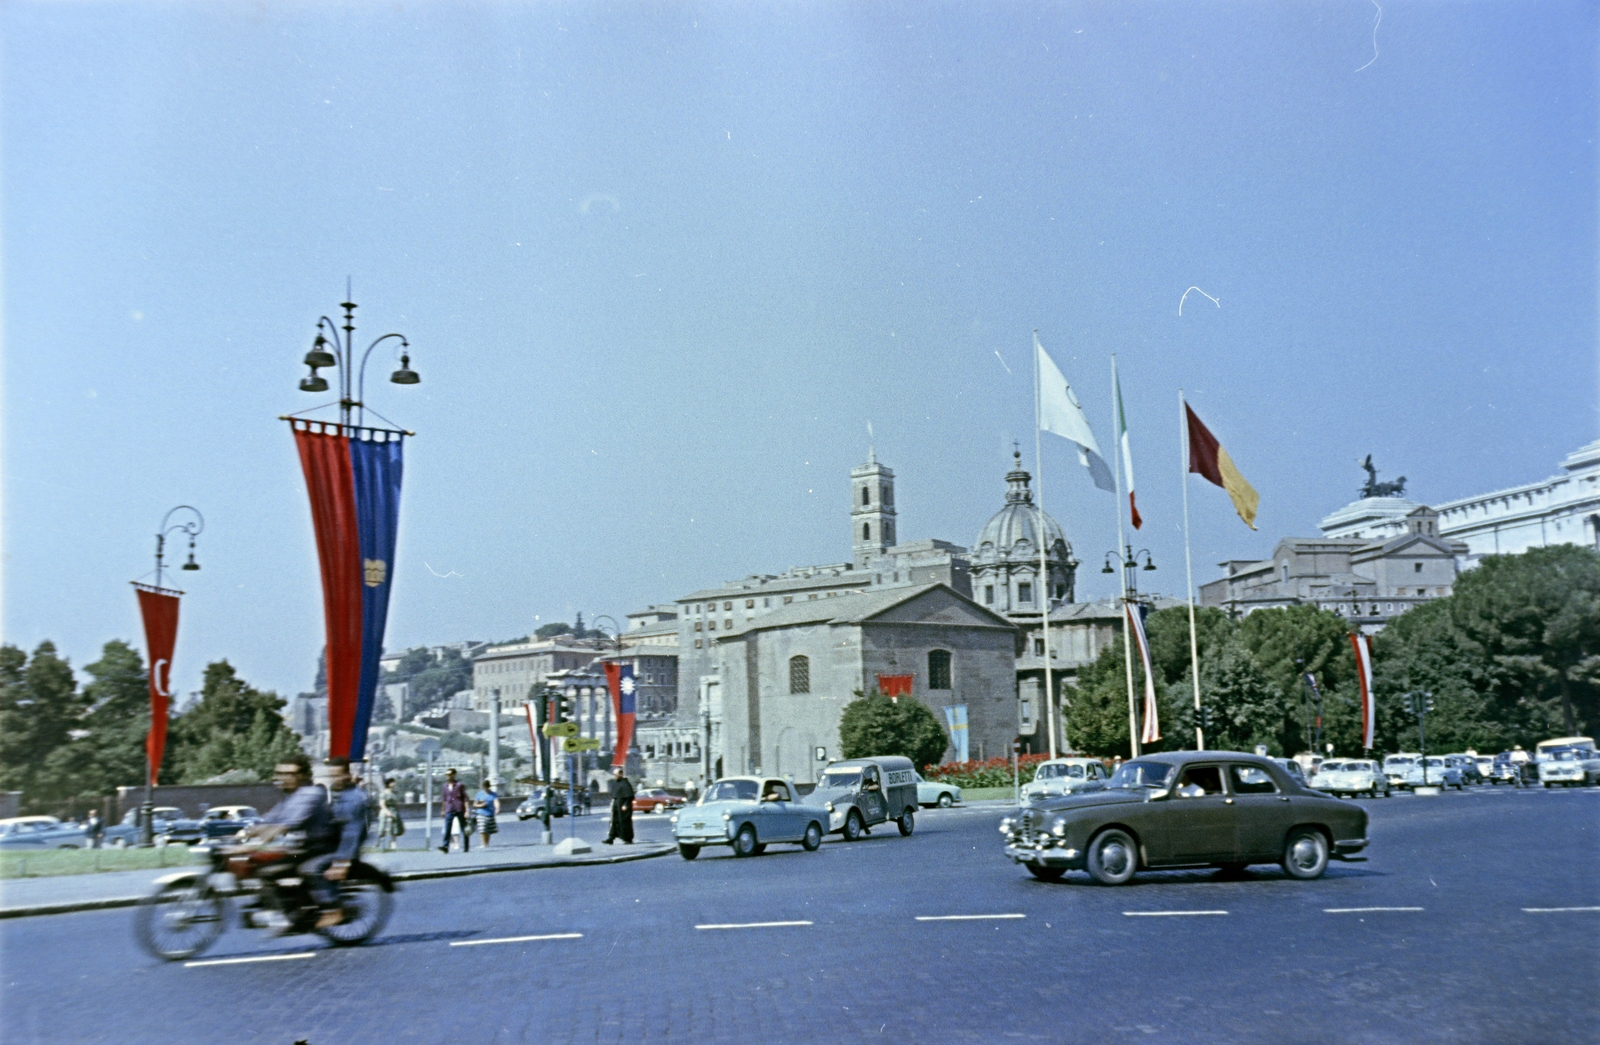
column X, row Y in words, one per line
column 621, row 808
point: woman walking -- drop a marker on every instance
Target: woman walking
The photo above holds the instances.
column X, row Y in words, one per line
column 390, row 826
column 486, row 806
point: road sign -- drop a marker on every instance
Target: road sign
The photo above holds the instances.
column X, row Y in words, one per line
column 572, row 745
column 560, row 729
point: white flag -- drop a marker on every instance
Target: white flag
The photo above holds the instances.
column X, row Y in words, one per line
column 1060, row 413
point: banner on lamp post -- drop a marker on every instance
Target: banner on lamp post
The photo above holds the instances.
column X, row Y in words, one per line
column 353, row 480
column 624, row 701
column 159, row 608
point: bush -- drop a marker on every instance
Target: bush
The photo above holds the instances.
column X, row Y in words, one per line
column 993, row 772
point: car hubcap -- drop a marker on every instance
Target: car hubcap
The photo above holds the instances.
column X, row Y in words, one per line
column 1305, row 854
column 1114, row 858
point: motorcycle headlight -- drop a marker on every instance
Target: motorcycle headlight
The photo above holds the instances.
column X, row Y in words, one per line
column 1059, row 827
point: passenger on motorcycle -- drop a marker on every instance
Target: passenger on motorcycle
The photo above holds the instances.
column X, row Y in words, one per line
column 349, row 807
column 304, row 823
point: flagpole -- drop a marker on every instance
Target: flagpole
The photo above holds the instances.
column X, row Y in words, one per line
column 1188, row 568
column 1044, row 574
column 1127, row 639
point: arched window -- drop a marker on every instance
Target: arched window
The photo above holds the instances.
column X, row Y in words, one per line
column 939, row 669
column 866, row 495
column 866, row 531
column 799, row 674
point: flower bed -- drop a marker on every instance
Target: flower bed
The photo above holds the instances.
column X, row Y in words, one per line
column 993, row 772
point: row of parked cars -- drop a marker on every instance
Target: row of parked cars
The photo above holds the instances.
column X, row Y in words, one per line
column 169, row 826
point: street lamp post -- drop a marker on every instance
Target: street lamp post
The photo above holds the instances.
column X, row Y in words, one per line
column 193, row 527
column 494, row 738
column 330, row 349
column 1129, row 561
column 613, row 729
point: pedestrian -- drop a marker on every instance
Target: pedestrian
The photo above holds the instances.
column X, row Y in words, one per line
column 390, row 826
column 690, row 790
column 588, row 796
column 621, row 808
column 94, row 827
column 486, row 806
column 454, row 804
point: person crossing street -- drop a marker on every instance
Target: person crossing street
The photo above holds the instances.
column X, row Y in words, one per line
column 621, row 808
column 455, row 811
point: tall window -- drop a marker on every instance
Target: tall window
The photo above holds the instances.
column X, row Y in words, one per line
column 866, row 531
column 1025, row 592
column 988, row 594
column 866, row 495
column 939, row 669
column 799, row 675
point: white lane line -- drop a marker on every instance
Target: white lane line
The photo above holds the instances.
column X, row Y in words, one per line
column 750, row 925
column 965, row 917
column 241, row 961
column 1365, row 910
column 1557, row 910
column 1167, row 914
column 517, row 939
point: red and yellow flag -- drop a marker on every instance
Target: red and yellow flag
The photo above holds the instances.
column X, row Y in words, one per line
column 1207, row 458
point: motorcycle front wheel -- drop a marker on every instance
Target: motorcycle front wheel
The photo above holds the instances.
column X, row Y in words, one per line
column 366, row 910
column 180, row 919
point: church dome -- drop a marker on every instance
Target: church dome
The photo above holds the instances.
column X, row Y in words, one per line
column 1012, row 534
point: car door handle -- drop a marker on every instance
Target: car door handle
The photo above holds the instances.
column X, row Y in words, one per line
column 1283, row 798
column 1227, row 801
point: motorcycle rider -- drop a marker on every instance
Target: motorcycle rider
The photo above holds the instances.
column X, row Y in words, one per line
column 304, row 820
column 350, row 808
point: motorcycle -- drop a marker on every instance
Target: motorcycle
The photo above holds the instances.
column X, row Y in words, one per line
column 189, row 910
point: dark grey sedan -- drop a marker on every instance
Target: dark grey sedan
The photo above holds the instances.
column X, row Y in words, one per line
column 1187, row 809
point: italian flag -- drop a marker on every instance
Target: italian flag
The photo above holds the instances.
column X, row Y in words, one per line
column 1127, row 455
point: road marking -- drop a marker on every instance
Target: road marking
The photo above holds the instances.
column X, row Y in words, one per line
column 965, row 917
column 1557, row 910
column 241, row 961
column 1365, row 910
column 1167, row 914
column 750, row 925
column 517, row 939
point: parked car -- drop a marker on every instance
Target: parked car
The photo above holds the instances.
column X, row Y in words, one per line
column 1570, row 767
column 1467, row 765
column 1353, row 777
column 170, row 826
column 1485, row 767
column 1061, row 776
column 534, row 803
column 935, row 793
column 1186, row 809
column 748, row 813
column 860, row 792
column 1506, row 770
column 42, row 832
column 1432, row 771
column 1293, row 768
column 1397, row 765
column 227, row 821
column 655, row 800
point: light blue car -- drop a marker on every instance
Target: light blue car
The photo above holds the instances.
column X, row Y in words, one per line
column 747, row 813
column 42, row 832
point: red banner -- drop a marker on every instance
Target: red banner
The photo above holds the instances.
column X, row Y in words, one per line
column 159, row 608
column 325, row 459
column 894, row 686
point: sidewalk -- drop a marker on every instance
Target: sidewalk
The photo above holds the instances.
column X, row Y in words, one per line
column 61, row 894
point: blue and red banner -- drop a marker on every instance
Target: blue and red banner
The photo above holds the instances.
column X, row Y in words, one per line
column 624, row 701
column 353, row 478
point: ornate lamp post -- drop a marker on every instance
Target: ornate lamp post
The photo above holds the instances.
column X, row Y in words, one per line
column 1129, row 564
column 193, row 527
column 330, row 349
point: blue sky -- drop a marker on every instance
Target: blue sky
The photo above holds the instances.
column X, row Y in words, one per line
column 661, row 264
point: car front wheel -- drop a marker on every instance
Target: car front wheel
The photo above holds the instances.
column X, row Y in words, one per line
column 813, row 839
column 945, row 801
column 852, row 826
column 744, row 843
column 1305, row 854
column 1113, row 857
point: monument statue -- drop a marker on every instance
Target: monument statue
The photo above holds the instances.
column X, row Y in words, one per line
column 1373, row 488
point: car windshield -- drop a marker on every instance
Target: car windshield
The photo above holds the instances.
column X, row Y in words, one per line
column 1567, row 755
column 842, row 778
column 167, row 813
column 1358, row 767
column 731, row 791
column 1333, row 767
column 1399, row 760
column 1049, row 772
column 1431, row 762
column 1147, row 773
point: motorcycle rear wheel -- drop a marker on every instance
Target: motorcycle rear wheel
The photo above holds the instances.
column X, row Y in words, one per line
column 366, row 910
column 180, row 920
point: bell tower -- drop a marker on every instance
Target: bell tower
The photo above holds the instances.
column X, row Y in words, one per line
column 871, row 510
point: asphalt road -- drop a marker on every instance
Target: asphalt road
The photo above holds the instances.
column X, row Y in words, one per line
column 1430, row 940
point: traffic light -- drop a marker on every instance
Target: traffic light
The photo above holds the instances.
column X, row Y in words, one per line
column 564, row 707
column 1205, row 718
column 1427, row 702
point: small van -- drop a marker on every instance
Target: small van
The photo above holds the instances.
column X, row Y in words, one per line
column 860, row 792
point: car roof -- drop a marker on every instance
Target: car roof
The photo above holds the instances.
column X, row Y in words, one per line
column 30, row 820
column 1069, row 760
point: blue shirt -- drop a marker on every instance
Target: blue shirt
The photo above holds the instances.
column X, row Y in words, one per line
column 350, row 814
column 306, row 811
column 488, row 798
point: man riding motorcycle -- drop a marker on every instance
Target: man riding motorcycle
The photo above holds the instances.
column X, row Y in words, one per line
column 305, row 823
column 349, row 806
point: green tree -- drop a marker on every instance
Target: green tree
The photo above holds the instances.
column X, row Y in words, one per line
column 234, row 727
column 1096, row 712
column 442, row 679
column 108, row 750
column 1245, row 708
column 39, row 709
column 874, row 725
column 1288, row 642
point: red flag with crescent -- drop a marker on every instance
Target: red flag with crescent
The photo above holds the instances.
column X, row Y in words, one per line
column 159, row 608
